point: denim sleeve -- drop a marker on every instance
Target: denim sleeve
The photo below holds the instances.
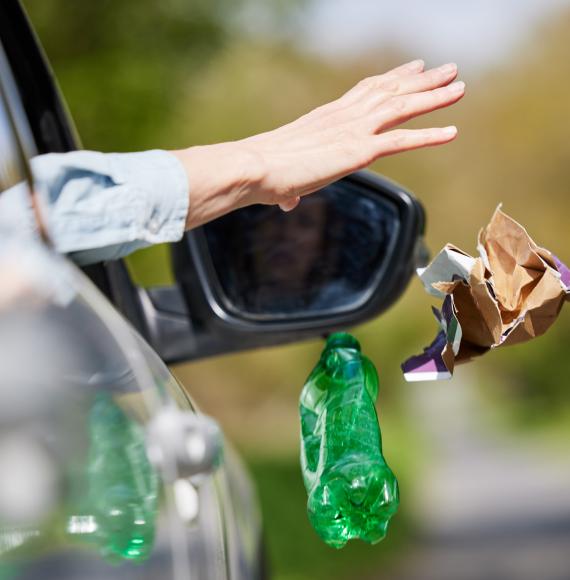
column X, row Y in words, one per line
column 103, row 206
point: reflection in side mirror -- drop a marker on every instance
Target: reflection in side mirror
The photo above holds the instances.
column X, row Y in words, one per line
column 259, row 276
column 321, row 258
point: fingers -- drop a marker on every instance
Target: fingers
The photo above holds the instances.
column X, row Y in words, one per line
column 426, row 81
column 406, row 107
column 380, row 89
column 407, row 139
column 363, row 87
column 409, row 69
column 415, row 66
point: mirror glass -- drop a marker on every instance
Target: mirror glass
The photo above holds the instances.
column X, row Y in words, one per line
column 324, row 256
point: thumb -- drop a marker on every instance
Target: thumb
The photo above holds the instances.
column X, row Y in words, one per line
column 290, row 204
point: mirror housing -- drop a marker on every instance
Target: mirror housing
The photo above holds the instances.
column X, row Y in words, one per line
column 220, row 324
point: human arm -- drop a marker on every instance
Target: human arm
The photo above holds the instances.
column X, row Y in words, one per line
column 280, row 166
column 105, row 206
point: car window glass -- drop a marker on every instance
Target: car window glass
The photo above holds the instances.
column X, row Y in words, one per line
column 11, row 169
column 17, row 216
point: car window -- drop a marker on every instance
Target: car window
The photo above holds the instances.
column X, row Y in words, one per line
column 11, row 171
column 17, row 213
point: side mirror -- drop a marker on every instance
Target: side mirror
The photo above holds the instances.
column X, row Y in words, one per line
column 259, row 277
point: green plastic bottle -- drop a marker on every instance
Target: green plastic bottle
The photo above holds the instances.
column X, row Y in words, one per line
column 352, row 493
column 120, row 504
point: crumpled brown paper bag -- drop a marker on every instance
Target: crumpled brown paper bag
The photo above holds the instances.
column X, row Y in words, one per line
column 511, row 293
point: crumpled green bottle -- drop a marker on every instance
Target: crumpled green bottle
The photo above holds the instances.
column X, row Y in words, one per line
column 121, row 501
column 352, row 493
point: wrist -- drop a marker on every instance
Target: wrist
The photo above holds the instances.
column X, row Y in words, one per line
column 221, row 178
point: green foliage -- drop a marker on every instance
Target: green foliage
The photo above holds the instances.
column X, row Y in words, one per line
column 124, row 66
column 120, row 63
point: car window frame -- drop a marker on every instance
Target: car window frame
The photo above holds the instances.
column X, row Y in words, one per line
column 51, row 130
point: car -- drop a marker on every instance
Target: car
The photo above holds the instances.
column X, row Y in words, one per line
column 107, row 467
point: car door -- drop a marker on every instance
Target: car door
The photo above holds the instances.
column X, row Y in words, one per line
column 206, row 527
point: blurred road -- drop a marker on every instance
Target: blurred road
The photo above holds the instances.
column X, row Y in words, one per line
column 491, row 507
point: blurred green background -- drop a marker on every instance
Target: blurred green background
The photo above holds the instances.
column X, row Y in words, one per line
column 171, row 73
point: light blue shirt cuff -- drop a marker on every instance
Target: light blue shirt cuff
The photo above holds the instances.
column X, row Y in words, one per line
column 103, row 206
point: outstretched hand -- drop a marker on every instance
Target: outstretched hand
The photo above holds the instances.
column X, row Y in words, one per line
column 333, row 140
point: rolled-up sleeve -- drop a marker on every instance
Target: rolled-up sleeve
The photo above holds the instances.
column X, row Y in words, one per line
column 103, row 206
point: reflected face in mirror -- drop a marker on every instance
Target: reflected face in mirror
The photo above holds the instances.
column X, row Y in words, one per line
column 289, row 246
column 321, row 256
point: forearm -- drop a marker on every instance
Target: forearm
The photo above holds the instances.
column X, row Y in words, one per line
column 221, row 178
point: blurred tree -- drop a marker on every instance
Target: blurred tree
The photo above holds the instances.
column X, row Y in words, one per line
column 121, row 64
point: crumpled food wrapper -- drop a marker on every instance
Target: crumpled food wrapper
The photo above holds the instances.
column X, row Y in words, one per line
column 511, row 293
